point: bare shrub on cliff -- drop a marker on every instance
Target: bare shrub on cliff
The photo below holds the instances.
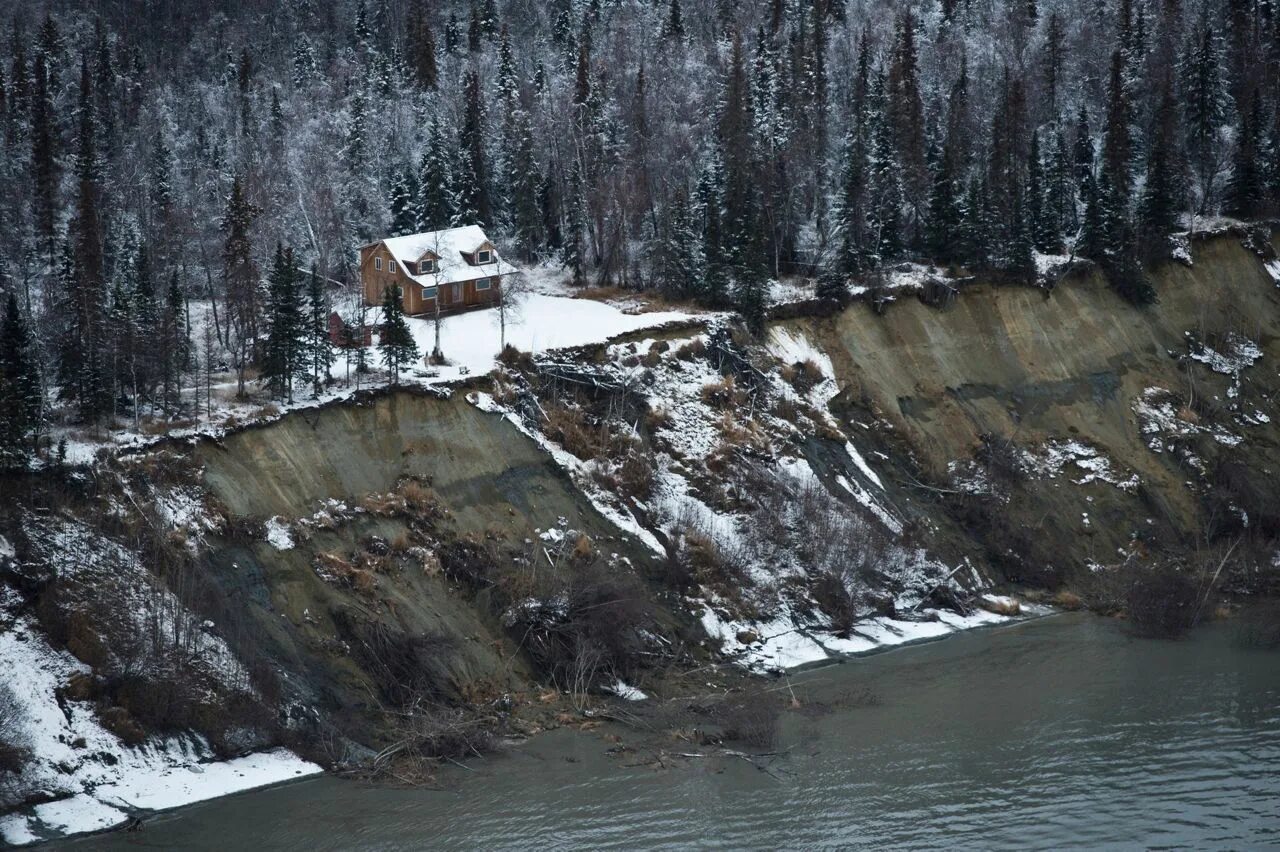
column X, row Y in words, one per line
column 750, row 718
column 13, row 751
column 1163, row 600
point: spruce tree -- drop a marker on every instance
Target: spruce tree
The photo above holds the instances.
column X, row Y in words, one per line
column 904, row 112
column 283, row 356
column 422, row 49
column 44, row 168
column 1164, row 193
column 438, row 207
column 452, row 34
column 173, row 345
column 240, row 278
column 1246, row 191
column 1117, row 147
column 1093, row 239
column 1020, row 260
column 21, row 397
column 1206, row 105
column 673, row 23
column 1060, row 189
column 396, row 343
column 405, row 200
column 855, row 252
column 1035, row 207
column 92, row 380
column 1083, row 151
column 318, row 349
column 522, row 182
column 741, row 228
column 472, row 187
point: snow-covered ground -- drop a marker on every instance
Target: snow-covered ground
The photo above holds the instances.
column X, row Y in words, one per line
column 94, row 781
column 780, row 645
column 471, row 342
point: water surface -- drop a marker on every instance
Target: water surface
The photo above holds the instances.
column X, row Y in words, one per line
column 1057, row 732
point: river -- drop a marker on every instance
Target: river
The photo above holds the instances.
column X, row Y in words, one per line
column 1062, row 731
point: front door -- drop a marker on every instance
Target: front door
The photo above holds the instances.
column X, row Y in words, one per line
column 456, row 294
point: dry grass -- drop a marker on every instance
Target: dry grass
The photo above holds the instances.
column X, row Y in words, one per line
column 569, row 428
column 692, row 350
column 658, row 418
column 723, row 394
column 804, row 376
column 1069, row 600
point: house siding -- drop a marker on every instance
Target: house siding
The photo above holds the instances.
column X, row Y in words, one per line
column 374, row 282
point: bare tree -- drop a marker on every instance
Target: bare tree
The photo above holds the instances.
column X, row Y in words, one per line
column 511, row 295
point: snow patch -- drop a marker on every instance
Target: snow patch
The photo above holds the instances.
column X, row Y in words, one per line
column 626, row 691
column 278, row 534
column 99, row 781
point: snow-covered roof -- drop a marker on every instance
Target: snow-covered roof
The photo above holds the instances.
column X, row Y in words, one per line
column 449, row 246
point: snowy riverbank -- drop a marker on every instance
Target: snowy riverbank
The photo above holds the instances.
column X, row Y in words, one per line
column 87, row 778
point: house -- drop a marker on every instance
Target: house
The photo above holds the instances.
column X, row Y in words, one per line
column 456, row 269
column 344, row 335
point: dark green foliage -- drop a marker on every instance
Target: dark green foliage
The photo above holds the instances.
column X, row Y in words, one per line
column 285, row 354
column 1246, row 190
column 21, row 397
column 1164, row 195
column 396, row 343
column 319, row 351
column 406, row 214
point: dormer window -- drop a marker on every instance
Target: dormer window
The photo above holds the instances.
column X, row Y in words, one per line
column 484, row 256
column 426, row 266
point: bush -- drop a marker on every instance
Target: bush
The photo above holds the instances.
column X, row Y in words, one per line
column 750, row 719
column 568, row 427
column 13, row 751
column 692, row 350
column 1259, row 627
column 723, row 393
column 635, row 476
column 1162, row 601
column 516, row 360
column 804, row 376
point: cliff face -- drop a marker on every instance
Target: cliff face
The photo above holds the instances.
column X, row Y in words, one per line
column 1180, row 395
column 404, row 567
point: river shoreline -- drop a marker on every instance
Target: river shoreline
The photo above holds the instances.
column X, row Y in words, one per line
column 1056, row 731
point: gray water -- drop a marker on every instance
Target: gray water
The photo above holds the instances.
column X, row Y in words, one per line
column 1053, row 733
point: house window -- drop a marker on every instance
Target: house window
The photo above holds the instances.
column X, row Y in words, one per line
column 483, row 283
column 391, row 266
column 377, row 263
column 428, row 293
column 484, row 256
column 426, row 266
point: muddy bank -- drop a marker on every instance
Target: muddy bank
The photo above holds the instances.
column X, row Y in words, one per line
column 1080, row 371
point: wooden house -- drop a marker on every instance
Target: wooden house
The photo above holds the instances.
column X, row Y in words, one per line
column 451, row 270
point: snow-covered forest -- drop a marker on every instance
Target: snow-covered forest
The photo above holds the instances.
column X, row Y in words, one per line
column 159, row 155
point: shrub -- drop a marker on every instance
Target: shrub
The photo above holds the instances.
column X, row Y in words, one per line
column 750, row 719
column 1162, row 601
column 635, row 476
column 13, row 752
column 710, row 564
column 723, row 393
column 692, row 350
column 569, row 428
column 804, row 376
column 515, row 359
column 1259, row 627
column 1001, row 457
column 1065, row 599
